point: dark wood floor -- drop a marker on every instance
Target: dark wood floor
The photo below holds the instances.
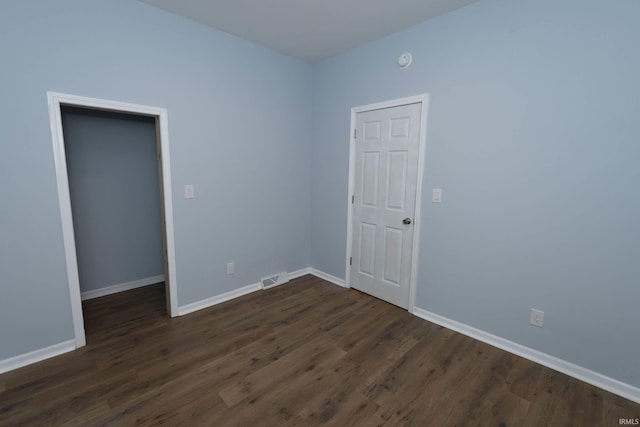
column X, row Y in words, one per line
column 304, row 353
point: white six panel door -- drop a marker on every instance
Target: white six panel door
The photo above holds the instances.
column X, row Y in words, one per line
column 386, row 171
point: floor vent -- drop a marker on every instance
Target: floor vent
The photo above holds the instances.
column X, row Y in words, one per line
column 278, row 279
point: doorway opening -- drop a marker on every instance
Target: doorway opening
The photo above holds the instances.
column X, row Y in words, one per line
column 61, row 107
column 113, row 173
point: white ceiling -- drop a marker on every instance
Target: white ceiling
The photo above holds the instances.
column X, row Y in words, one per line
column 311, row 30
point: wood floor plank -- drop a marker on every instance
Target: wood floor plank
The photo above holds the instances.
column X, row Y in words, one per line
column 303, row 358
column 281, row 398
column 79, row 399
column 307, row 353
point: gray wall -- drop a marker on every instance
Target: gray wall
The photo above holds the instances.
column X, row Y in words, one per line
column 239, row 129
column 115, row 196
column 533, row 136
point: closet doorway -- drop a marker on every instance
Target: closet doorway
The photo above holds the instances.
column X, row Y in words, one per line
column 95, row 197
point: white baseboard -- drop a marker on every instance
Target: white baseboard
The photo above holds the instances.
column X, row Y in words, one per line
column 299, row 273
column 121, row 287
column 607, row 383
column 218, row 299
column 328, row 277
column 205, row 303
column 36, row 356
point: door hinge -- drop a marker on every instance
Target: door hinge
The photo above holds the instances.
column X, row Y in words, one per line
column 355, row 133
column 353, row 198
column 350, row 260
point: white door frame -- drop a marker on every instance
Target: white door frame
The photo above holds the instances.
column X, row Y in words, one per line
column 56, row 100
column 424, row 100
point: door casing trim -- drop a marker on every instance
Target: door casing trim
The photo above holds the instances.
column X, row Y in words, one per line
column 424, row 100
column 55, row 101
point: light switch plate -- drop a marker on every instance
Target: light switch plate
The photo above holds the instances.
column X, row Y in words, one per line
column 189, row 192
column 436, row 196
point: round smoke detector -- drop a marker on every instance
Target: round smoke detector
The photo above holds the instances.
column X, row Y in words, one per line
column 404, row 60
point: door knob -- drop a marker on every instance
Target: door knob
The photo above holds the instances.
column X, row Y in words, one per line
column 406, row 221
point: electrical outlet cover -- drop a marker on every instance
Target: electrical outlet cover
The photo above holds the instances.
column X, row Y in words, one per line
column 537, row 317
